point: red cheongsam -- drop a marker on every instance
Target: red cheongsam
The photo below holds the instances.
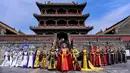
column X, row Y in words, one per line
column 98, row 58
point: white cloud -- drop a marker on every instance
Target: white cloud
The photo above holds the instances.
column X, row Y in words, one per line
column 108, row 3
column 109, row 18
column 19, row 13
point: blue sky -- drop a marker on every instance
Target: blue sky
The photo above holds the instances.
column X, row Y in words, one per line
column 103, row 13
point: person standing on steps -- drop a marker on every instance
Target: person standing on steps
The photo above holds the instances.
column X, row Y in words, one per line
column 74, row 52
column 31, row 56
column 43, row 57
column 36, row 61
column 64, row 61
column 52, row 59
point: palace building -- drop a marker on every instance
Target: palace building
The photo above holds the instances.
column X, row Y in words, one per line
column 58, row 21
column 122, row 27
column 7, row 30
column 61, row 20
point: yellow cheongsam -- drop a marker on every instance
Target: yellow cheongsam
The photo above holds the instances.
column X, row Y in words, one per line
column 85, row 66
column 36, row 63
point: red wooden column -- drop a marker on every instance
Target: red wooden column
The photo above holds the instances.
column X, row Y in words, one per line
column 38, row 23
column 80, row 11
column 45, row 12
column 67, row 23
column 56, row 11
column 56, row 23
column 41, row 11
column 66, row 11
column 78, row 24
column 44, row 22
column 77, row 12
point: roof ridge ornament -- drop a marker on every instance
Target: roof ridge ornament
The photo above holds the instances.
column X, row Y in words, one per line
column 49, row 2
column 73, row 2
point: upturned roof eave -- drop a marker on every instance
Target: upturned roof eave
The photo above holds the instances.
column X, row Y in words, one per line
column 9, row 28
column 115, row 25
column 36, row 30
column 53, row 28
column 37, row 16
column 40, row 5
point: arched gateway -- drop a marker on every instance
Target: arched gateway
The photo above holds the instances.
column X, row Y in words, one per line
column 62, row 35
column 61, row 22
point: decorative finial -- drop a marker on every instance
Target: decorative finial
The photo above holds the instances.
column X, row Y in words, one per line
column 73, row 2
column 48, row 2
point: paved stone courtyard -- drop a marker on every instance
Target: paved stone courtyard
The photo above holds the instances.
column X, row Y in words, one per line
column 117, row 68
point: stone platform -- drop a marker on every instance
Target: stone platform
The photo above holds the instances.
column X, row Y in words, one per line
column 117, row 68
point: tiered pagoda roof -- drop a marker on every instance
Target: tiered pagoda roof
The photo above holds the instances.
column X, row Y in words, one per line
column 64, row 17
column 64, row 5
column 44, row 16
column 56, row 29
